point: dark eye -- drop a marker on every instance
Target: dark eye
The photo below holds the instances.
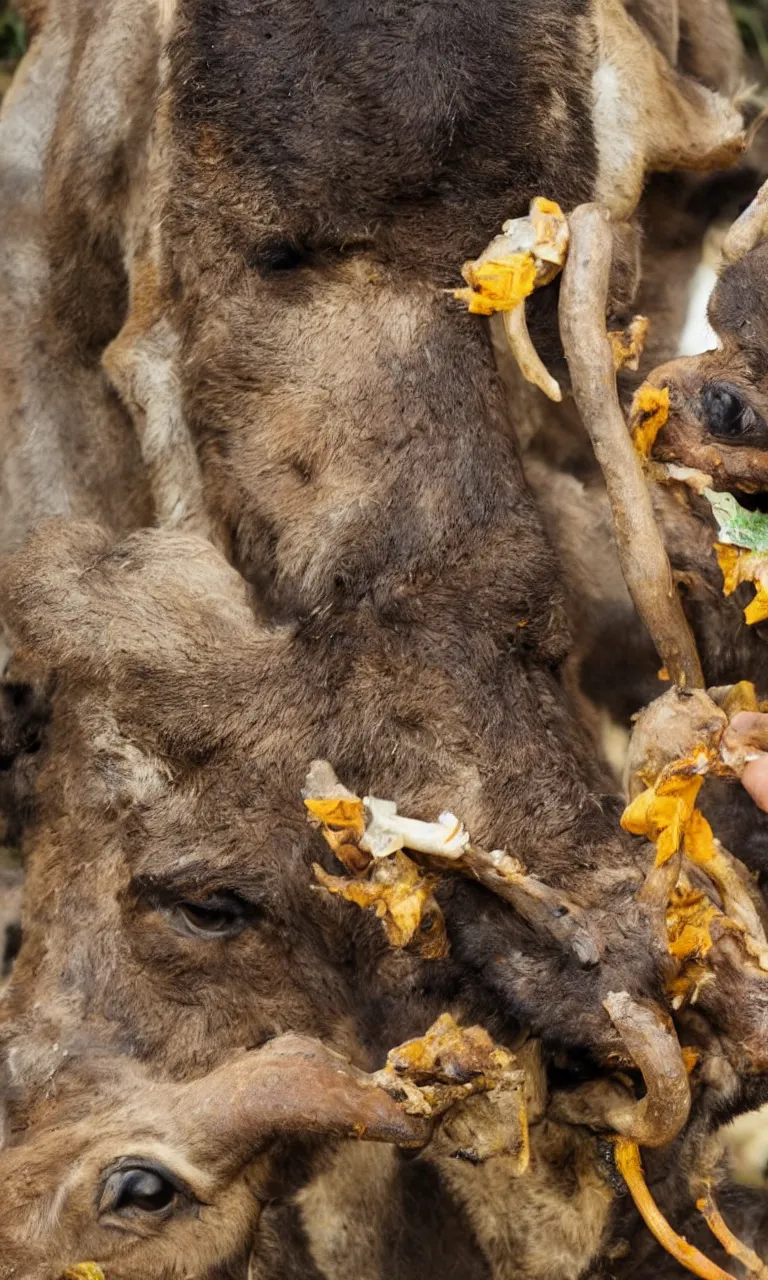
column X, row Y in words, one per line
column 276, row 255
column 140, row 1189
column 217, row 917
column 728, row 416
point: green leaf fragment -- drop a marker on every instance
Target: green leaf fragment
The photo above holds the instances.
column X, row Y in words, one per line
column 738, row 527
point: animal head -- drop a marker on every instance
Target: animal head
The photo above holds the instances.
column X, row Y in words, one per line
column 111, row 1167
column 171, row 852
column 718, row 401
column 301, row 233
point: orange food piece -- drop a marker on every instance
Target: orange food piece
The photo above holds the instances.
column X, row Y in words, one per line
column 344, row 814
column 699, row 840
column 497, row 284
column 738, row 565
column 689, row 918
column 402, row 897
column 630, row 1167
column 650, row 411
column 662, row 812
column 627, row 344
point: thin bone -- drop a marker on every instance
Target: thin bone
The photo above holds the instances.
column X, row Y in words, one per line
column 749, row 230
column 653, row 1046
column 531, row 365
column 529, row 254
column 386, row 831
column 732, row 1245
column 728, row 876
column 656, row 892
column 644, row 562
column 446, row 843
column 630, row 1167
column 545, row 909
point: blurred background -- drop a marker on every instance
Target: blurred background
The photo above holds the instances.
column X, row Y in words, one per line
column 752, row 17
column 11, row 43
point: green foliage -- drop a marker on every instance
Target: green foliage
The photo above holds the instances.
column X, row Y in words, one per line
column 11, row 34
column 752, row 17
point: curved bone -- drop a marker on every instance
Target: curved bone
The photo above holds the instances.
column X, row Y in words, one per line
column 630, row 1167
column 748, row 230
column 654, row 1048
column 292, row 1085
column 644, row 562
column 531, row 365
column 545, row 909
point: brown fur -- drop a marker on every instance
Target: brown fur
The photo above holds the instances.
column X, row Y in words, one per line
column 181, row 732
column 717, row 423
column 355, row 448
column 66, row 445
column 208, row 1145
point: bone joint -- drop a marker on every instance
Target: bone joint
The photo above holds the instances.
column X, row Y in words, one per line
column 528, row 254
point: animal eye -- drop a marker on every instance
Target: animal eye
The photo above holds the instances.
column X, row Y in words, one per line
column 215, row 918
column 139, row 1189
column 276, row 255
column 727, row 415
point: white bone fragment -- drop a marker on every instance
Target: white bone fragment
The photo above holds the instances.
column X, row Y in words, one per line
column 696, row 480
column 387, row 831
column 531, row 365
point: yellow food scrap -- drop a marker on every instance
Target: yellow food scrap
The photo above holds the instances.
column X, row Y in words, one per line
column 740, row 697
column 84, row 1271
column 689, row 919
column 737, row 566
column 343, row 814
column 650, row 411
column 497, row 284
column 530, row 252
column 699, row 841
column 662, row 812
column 628, row 344
column 451, row 1063
column 342, row 822
column 402, row 897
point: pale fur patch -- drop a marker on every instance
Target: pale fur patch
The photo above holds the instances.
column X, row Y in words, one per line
column 344, row 1244
column 166, row 14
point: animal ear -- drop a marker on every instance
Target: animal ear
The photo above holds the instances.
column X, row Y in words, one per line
column 648, row 117
column 738, row 309
column 75, row 600
column 292, row 1085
